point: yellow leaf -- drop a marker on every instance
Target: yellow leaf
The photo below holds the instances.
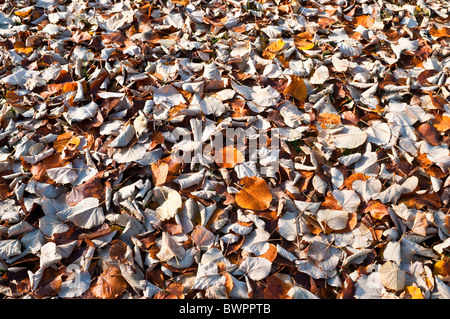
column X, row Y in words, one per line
column 74, row 140
column 181, row 2
column 307, row 46
column 25, row 50
column 272, row 49
column 297, row 88
column 23, row 13
column 442, row 268
column 414, row 292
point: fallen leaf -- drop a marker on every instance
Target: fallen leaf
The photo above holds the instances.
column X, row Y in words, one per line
column 254, row 195
column 170, row 207
column 297, row 88
column 392, row 277
column 110, row 284
column 229, row 157
column 272, row 49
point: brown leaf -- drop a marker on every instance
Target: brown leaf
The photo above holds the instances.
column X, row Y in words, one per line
column 176, row 289
column 110, row 284
column 118, row 38
column 39, row 170
column 429, row 133
column 276, row 288
column 202, row 236
column 91, row 188
column 430, row 200
column 50, row 284
column 118, row 250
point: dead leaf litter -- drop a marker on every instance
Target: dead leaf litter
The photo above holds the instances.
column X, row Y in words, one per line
column 119, row 179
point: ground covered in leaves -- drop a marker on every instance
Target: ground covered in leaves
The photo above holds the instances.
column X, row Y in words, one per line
column 95, row 96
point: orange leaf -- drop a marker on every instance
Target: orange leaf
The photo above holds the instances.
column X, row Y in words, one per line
column 377, row 210
column 441, row 123
column 440, row 33
column 62, row 140
column 255, row 194
column 159, row 173
column 71, row 86
column 297, row 88
column 270, row 254
column 181, row 2
column 24, row 50
column 228, row 157
column 442, row 268
column 23, row 13
column 423, row 160
column 349, row 180
column 302, row 39
column 328, row 118
column 51, row 89
column 365, row 20
column 325, row 22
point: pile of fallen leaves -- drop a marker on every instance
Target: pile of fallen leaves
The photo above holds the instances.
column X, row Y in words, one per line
column 94, row 96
